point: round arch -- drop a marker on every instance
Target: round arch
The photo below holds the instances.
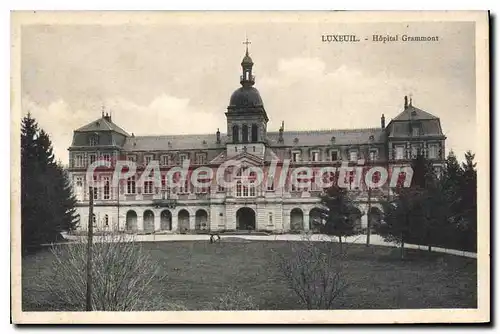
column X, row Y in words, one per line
column 201, row 220
column 245, row 219
column 131, row 221
column 183, row 217
column 375, row 216
column 296, row 219
column 149, row 221
column 315, row 220
column 166, row 220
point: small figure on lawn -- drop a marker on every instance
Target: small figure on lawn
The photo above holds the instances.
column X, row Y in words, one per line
column 214, row 237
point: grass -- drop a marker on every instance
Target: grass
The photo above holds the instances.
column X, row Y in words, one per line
column 199, row 273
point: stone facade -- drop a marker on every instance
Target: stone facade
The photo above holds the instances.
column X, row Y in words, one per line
column 146, row 208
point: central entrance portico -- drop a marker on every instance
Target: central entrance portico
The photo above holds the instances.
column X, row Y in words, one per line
column 245, row 219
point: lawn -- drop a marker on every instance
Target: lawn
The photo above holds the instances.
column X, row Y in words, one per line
column 198, row 272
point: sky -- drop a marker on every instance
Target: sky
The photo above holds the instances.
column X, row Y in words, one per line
column 177, row 78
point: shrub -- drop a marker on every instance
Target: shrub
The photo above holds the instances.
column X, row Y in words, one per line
column 122, row 276
column 314, row 272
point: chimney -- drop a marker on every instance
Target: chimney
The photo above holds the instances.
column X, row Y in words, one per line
column 107, row 117
column 282, row 128
column 406, row 101
column 218, row 136
column 382, row 121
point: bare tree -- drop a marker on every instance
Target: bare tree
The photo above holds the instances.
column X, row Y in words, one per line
column 123, row 275
column 313, row 271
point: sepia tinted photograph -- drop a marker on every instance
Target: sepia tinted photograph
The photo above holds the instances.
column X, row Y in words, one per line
column 332, row 163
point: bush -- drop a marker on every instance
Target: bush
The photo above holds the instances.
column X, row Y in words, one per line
column 122, row 276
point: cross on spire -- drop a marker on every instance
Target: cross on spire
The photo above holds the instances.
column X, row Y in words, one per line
column 246, row 42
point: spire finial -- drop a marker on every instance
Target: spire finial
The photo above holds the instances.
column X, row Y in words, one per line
column 102, row 109
column 411, row 99
column 246, row 42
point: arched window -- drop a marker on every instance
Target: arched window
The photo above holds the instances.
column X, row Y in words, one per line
column 236, row 133
column 255, row 135
column 106, row 220
column 244, row 133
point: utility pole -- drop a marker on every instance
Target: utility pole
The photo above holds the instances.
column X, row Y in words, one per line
column 118, row 205
column 88, row 303
column 369, row 225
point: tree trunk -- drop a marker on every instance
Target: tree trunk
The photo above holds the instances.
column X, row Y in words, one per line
column 340, row 243
column 429, row 248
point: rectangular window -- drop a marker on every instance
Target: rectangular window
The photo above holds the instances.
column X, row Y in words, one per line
column 334, row 155
column 148, row 187
column 147, row 159
column 201, row 158
column 433, row 151
column 93, row 140
column 165, row 160
column 270, row 218
column 415, row 131
column 106, row 190
column 92, row 158
column 315, row 156
column 295, row 156
column 373, row 155
column 270, row 182
column 184, row 186
column 252, row 190
column 131, row 185
column 131, row 158
column 400, row 152
column 78, row 160
column 106, row 157
column 414, row 151
column 353, row 156
column 182, row 158
column 96, row 190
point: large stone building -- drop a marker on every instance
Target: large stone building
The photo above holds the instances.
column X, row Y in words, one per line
column 148, row 207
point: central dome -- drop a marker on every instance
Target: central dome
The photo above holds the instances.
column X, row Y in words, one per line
column 245, row 97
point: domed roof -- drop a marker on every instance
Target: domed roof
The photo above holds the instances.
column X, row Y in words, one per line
column 246, row 97
column 247, row 60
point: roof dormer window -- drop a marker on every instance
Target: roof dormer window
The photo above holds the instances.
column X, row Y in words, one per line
column 93, row 140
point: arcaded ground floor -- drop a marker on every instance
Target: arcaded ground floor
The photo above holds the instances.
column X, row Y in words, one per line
column 199, row 273
column 271, row 217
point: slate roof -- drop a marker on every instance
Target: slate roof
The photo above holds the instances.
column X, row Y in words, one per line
column 102, row 124
column 428, row 128
column 173, row 142
column 324, row 137
column 413, row 113
column 208, row 141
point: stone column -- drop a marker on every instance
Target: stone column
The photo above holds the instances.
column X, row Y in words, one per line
column 286, row 221
column 157, row 221
column 140, row 222
column 175, row 223
column 306, row 222
column 192, row 222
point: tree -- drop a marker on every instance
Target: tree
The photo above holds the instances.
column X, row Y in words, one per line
column 468, row 201
column 340, row 212
column 47, row 202
column 411, row 215
column 313, row 271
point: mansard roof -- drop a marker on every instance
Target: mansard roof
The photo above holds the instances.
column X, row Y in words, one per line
column 327, row 137
column 430, row 127
column 174, row 142
column 102, row 124
column 413, row 113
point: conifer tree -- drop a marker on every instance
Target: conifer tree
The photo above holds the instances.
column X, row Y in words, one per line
column 340, row 212
column 47, row 202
